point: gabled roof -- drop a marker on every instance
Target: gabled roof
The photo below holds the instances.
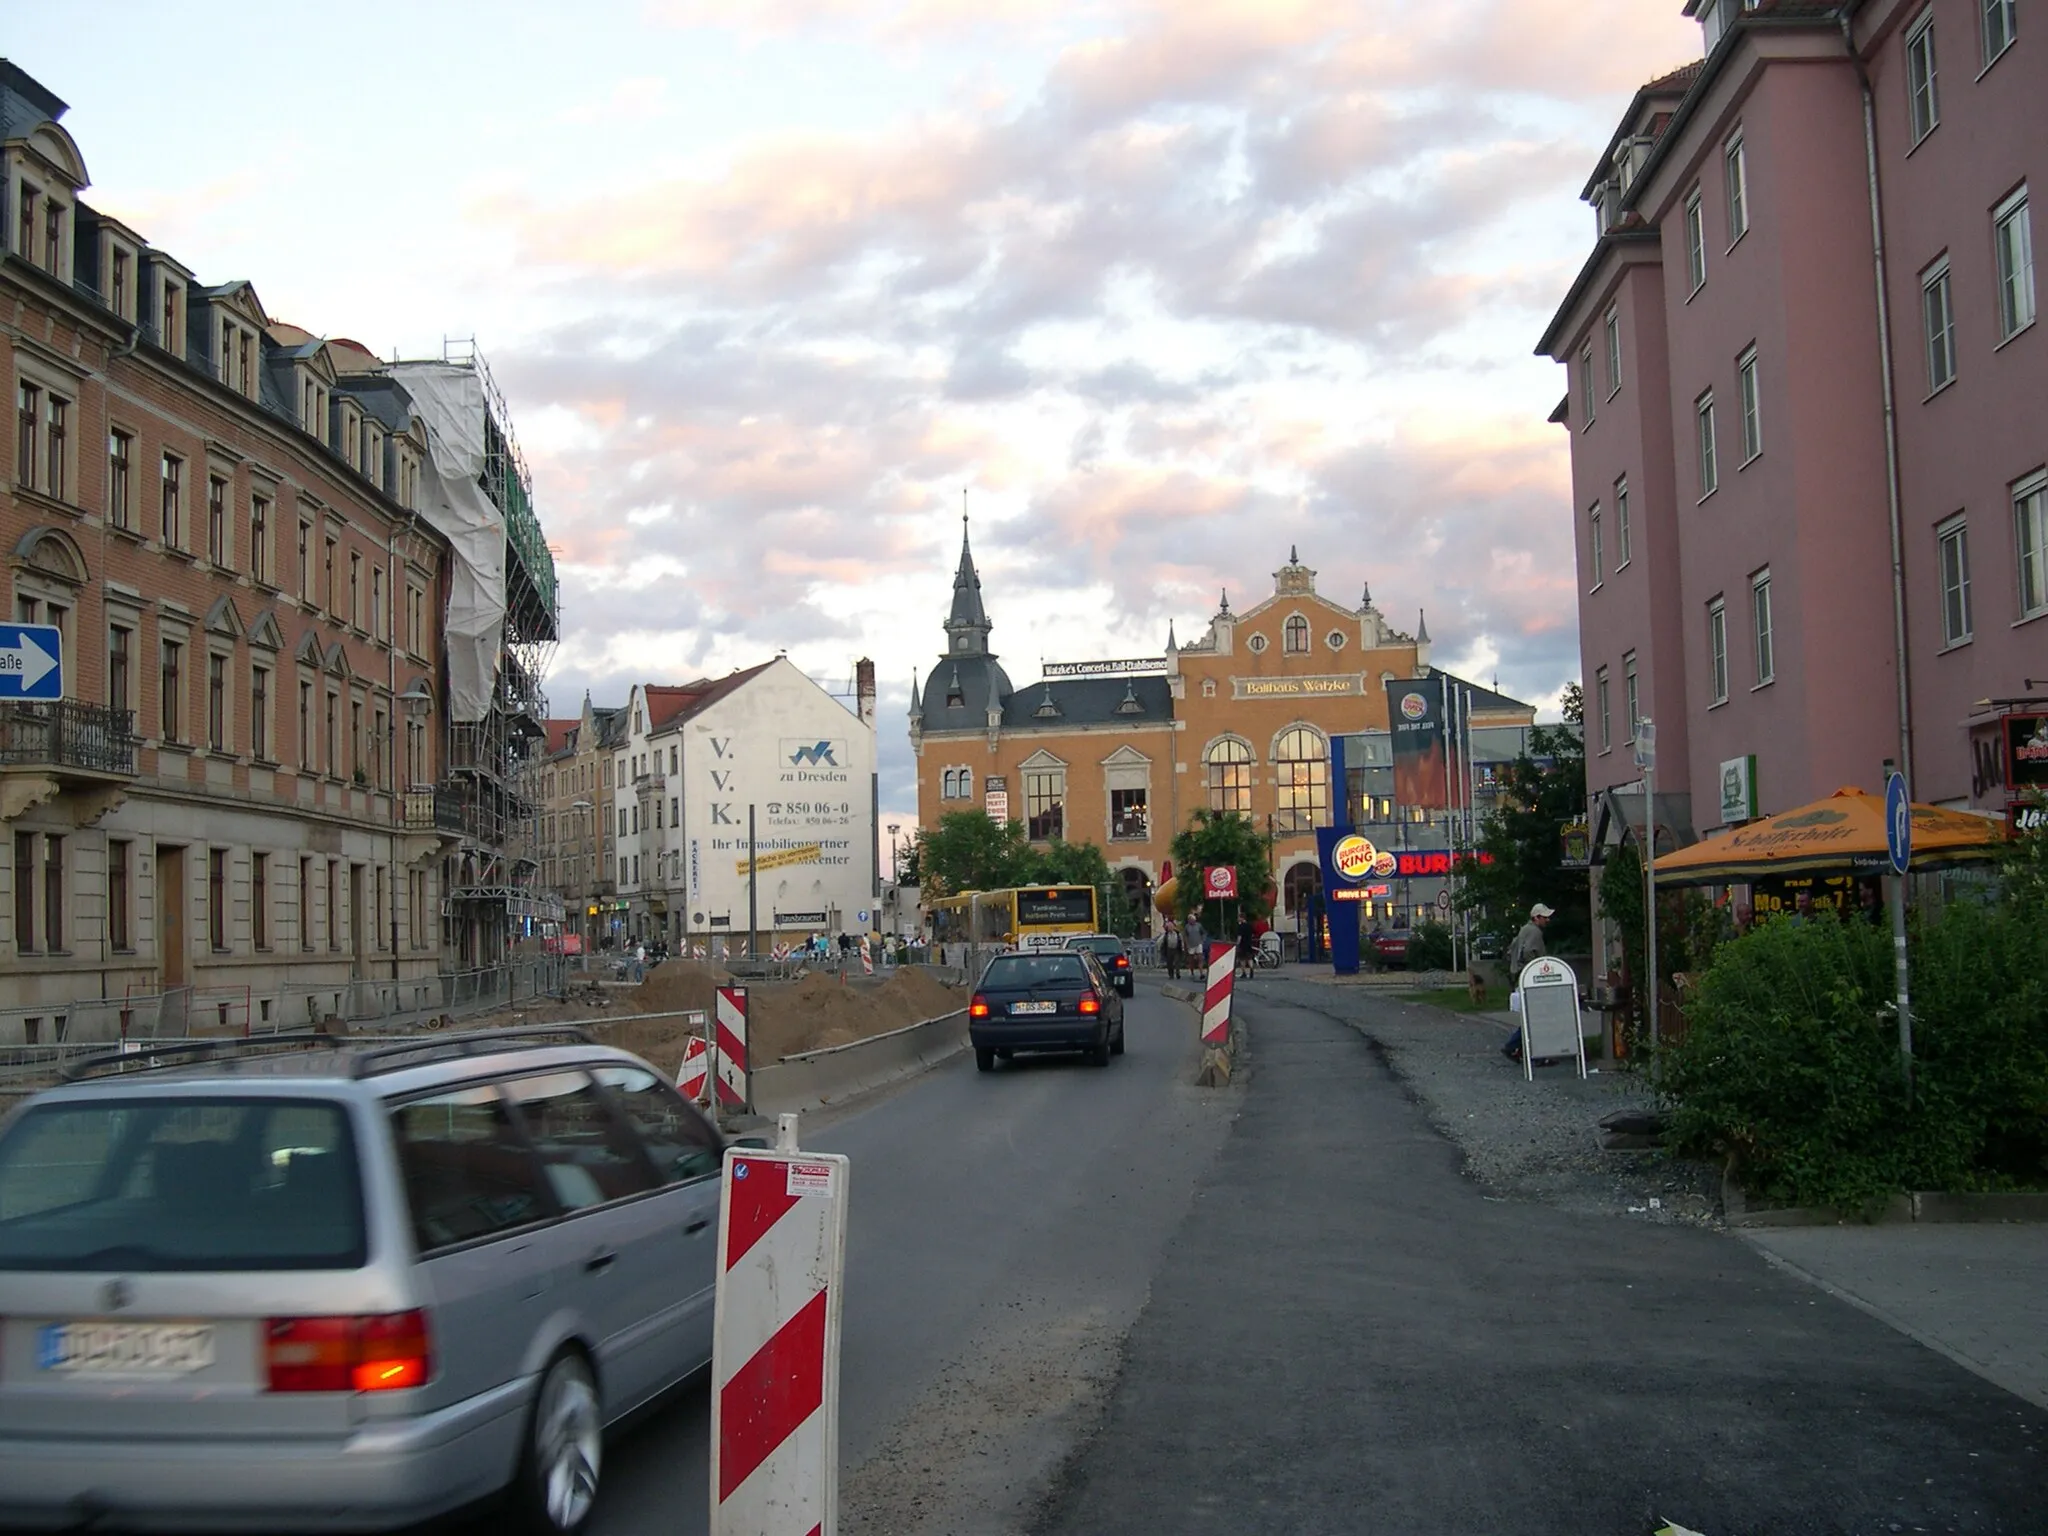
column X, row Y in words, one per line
column 559, row 733
column 670, row 706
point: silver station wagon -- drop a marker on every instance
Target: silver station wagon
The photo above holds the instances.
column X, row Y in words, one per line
column 316, row 1284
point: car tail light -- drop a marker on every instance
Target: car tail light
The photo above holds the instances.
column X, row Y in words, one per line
column 1123, row 962
column 978, row 1009
column 383, row 1353
column 1090, row 1003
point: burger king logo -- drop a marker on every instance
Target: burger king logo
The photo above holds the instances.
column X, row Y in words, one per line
column 1383, row 864
column 1354, row 857
column 1414, row 706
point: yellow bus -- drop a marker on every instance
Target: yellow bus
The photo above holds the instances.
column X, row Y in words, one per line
column 1025, row 917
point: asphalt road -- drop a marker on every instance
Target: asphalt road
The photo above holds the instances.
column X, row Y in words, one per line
column 1348, row 1337
column 1004, row 1232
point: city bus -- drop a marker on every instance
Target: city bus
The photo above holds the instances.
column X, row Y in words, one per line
column 1024, row 917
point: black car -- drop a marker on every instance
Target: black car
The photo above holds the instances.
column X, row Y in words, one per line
column 1059, row 1000
column 1115, row 958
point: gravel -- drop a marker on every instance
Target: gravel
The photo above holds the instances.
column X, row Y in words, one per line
column 1521, row 1140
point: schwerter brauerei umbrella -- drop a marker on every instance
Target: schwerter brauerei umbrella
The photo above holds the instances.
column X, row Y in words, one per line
column 1843, row 833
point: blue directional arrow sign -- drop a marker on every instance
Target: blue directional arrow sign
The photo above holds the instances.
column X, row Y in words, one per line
column 1898, row 823
column 31, row 661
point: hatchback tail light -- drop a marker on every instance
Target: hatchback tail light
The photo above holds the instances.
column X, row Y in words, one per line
column 385, row 1353
column 1123, row 962
column 978, row 1009
column 1090, row 1003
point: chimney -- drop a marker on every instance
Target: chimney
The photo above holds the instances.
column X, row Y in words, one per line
column 864, row 689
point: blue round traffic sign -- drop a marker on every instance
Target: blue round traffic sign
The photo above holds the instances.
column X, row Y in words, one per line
column 1898, row 823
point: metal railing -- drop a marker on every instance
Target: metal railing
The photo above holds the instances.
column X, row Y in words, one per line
column 66, row 733
column 432, row 808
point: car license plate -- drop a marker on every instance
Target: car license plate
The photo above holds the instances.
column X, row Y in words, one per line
column 125, row 1349
column 1035, row 1007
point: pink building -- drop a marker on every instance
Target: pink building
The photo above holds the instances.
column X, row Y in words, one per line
column 1743, row 459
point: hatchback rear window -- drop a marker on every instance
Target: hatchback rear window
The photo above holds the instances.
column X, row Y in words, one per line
column 1032, row 970
column 154, row 1185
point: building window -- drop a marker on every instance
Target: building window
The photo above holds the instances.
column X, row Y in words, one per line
column 24, row 893
column 1229, row 763
column 327, row 580
column 416, row 907
column 1631, row 694
column 1760, row 607
column 380, row 736
column 167, row 336
column 1736, row 169
column 53, row 235
column 1613, row 350
column 1717, row 650
column 1595, row 553
column 217, row 899
column 1695, row 241
column 1601, row 709
column 170, row 665
column 377, row 630
column 355, row 590
column 1045, row 803
column 1624, row 550
column 1954, row 539
column 120, row 651
column 118, row 287
column 1129, row 816
column 217, row 521
column 56, row 432
column 1710, row 466
column 172, row 502
column 259, row 712
column 1937, row 310
column 334, row 735
column 216, row 703
column 1295, row 637
column 306, row 905
column 953, row 784
column 1752, row 412
column 1303, row 763
column 120, row 936
column 25, row 233
column 2001, row 26
column 53, row 893
column 333, row 907
column 2030, row 519
column 259, row 900
column 1586, row 383
column 120, row 479
column 1922, row 101
column 2012, row 234
column 259, row 539
column 305, row 562
column 28, row 418
column 305, row 727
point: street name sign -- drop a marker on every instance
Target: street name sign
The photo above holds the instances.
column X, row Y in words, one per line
column 31, row 661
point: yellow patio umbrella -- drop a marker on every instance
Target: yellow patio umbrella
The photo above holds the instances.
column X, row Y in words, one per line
column 1844, row 833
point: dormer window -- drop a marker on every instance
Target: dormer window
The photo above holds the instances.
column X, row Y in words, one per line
column 53, row 236
column 170, row 314
column 121, row 281
column 25, row 199
column 373, row 454
column 351, row 435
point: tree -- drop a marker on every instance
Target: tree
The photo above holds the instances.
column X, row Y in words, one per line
column 1542, row 791
column 1214, row 838
column 971, row 851
column 910, row 863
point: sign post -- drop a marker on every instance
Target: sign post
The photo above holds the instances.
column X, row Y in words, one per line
column 31, row 661
column 1898, row 847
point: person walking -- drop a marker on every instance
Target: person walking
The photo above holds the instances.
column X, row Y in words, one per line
column 1169, row 950
column 1198, row 945
column 1247, row 948
column 1528, row 946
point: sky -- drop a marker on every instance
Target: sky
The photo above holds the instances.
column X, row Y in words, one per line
column 1160, row 288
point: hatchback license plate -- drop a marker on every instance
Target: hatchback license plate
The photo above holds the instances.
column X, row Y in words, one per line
column 125, row 1349
column 1044, row 1007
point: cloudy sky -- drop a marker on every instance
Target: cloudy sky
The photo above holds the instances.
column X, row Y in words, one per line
column 1164, row 285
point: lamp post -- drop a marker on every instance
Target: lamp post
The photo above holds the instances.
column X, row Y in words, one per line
column 1646, row 759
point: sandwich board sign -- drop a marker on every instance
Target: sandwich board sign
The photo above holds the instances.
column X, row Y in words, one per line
column 1549, row 991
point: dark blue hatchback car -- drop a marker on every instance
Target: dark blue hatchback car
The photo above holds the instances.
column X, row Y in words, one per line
column 1058, row 1001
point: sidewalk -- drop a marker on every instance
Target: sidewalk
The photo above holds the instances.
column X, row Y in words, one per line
column 1346, row 1335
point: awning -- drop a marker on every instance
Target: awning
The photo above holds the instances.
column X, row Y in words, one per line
column 1843, row 834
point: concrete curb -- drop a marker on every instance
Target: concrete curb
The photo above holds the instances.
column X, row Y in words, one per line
column 1929, row 1206
column 837, row 1073
column 1218, row 1062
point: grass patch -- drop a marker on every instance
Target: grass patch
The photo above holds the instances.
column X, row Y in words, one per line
column 1459, row 999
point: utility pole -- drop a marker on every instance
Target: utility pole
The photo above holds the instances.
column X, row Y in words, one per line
column 1646, row 759
column 753, row 883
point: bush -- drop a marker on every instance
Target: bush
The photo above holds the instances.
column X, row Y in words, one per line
column 1790, row 1068
column 1429, row 947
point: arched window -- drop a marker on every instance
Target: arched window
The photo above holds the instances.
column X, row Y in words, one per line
column 1299, row 889
column 1297, row 636
column 1230, row 776
column 1304, row 774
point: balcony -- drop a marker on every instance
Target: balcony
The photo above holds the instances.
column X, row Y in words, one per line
column 433, row 808
column 68, row 738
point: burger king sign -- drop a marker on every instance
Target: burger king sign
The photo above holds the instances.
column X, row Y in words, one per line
column 1354, row 857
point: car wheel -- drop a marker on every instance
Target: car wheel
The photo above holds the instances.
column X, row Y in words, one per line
column 1098, row 1054
column 984, row 1059
column 1116, row 1046
column 556, row 1488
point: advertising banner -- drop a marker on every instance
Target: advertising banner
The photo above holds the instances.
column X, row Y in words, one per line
column 1422, row 777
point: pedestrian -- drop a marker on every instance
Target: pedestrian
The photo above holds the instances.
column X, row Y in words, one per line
column 1528, row 946
column 1802, row 906
column 1169, row 949
column 1198, row 945
column 1247, row 948
column 1871, row 901
column 640, row 962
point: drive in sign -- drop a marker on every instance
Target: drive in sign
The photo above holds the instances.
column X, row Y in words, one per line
column 31, row 661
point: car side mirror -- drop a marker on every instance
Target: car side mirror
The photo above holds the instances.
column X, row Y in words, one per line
column 752, row 1143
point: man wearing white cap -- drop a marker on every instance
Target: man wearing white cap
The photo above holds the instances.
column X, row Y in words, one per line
column 1528, row 943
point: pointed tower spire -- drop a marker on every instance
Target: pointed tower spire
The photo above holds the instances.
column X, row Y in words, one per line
column 1365, row 596
column 1225, row 608
column 1421, row 628
column 1294, row 554
column 967, row 626
column 1172, row 645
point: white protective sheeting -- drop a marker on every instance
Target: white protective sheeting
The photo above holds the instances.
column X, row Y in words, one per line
column 450, row 401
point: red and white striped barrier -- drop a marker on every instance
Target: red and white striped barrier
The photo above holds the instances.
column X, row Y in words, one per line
column 695, row 1070
column 1216, row 1000
column 731, row 1034
column 867, row 958
column 775, row 1345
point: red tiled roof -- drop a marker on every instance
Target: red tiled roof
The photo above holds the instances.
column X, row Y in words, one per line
column 667, row 705
column 558, row 734
column 1677, row 82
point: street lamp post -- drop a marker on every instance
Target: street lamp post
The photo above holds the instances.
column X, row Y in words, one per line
column 1646, row 759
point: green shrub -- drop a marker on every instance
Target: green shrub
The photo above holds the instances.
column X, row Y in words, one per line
column 1429, row 947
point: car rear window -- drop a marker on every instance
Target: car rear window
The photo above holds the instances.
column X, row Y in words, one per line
column 1032, row 970
column 154, row 1185
column 1100, row 946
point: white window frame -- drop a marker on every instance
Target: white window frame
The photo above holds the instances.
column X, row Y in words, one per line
column 1631, row 693
column 1586, row 391
column 1596, row 554
column 1613, row 328
column 1752, row 405
column 1707, row 439
column 1695, row 240
column 1938, row 324
column 1735, row 171
column 1763, row 632
column 1717, row 651
column 2030, row 532
column 1952, row 550
column 1624, row 543
column 2006, row 13
column 1923, row 92
column 2012, row 241
column 1600, row 707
